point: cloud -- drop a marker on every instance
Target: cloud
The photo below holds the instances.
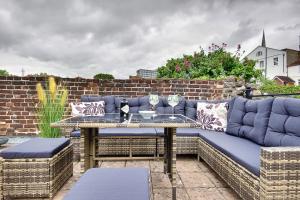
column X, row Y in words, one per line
column 83, row 38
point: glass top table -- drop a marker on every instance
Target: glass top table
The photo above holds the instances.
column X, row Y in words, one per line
column 112, row 120
column 89, row 126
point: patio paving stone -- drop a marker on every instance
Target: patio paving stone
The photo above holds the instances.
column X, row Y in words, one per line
column 112, row 164
column 228, row 194
column 216, row 180
column 195, row 181
column 140, row 163
column 165, row 194
column 204, row 193
column 187, row 165
column 157, row 166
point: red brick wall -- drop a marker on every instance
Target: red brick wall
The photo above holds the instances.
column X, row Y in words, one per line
column 18, row 101
column 18, row 98
column 190, row 89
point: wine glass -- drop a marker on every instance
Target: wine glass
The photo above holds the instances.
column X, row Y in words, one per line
column 173, row 100
column 153, row 100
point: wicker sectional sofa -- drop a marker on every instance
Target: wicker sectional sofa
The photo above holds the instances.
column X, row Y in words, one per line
column 258, row 156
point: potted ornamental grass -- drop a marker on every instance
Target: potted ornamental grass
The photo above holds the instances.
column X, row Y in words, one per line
column 51, row 107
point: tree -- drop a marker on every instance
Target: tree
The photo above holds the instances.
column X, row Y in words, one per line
column 3, row 72
column 41, row 74
column 104, row 76
column 217, row 63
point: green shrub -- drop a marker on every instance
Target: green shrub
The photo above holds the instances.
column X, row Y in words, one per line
column 270, row 87
column 3, row 72
column 104, row 76
column 51, row 108
column 216, row 64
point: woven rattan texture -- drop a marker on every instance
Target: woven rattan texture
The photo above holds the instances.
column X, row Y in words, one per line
column 120, row 146
column 242, row 181
column 37, row 178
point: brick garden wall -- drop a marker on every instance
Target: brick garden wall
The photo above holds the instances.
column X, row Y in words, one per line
column 18, row 98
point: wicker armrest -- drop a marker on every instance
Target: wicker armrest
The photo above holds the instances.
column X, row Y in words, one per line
column 280, row 173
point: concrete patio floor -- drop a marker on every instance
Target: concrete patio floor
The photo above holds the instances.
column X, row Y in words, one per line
column 195, row 180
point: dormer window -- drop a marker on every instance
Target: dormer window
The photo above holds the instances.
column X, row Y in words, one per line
column 261, row 64
column 275, row 60
column 259, row 53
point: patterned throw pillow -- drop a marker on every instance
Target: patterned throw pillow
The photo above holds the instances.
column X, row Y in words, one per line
column 212, row 116
column 88, row 108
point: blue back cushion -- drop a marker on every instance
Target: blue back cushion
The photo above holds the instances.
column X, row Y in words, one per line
column 110, row 106
column 163, row 106
column 135, row 104
column 284, row 125
column 191, row 107
column 249, row 119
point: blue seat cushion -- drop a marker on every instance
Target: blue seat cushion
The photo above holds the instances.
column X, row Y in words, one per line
column 121, row 132
column 184, row 132
column 241, row 150
column 284, row 124
column 249, row 119
column 127, row 132
column 111, row 184
column 75, row 133
column 36, row 148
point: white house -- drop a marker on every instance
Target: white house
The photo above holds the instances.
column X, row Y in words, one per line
column 276, row 62
column 294, row 71
column 271, row 61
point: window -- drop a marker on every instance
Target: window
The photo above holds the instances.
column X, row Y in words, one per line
column 259, row 53
column 298, row 81
column 275, row 60
column 261, row 64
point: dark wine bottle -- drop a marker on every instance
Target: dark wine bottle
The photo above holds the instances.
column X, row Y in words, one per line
column 124, row 110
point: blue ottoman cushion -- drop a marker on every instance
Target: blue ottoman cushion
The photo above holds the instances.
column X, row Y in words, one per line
column 241, row 150
column 284, row 124
column 111, row 184
column 249, row 119
column 36, row 148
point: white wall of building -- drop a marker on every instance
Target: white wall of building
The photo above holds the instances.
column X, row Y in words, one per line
column 294, row 73
column 276, row 61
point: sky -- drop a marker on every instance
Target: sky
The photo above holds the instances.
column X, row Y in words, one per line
column 72, row 38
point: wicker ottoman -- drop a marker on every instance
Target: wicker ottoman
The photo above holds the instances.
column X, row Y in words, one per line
column 112, row 184
column 37, row 168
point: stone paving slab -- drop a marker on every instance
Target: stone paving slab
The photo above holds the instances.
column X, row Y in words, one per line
column 204, row 193
column 195, row 180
